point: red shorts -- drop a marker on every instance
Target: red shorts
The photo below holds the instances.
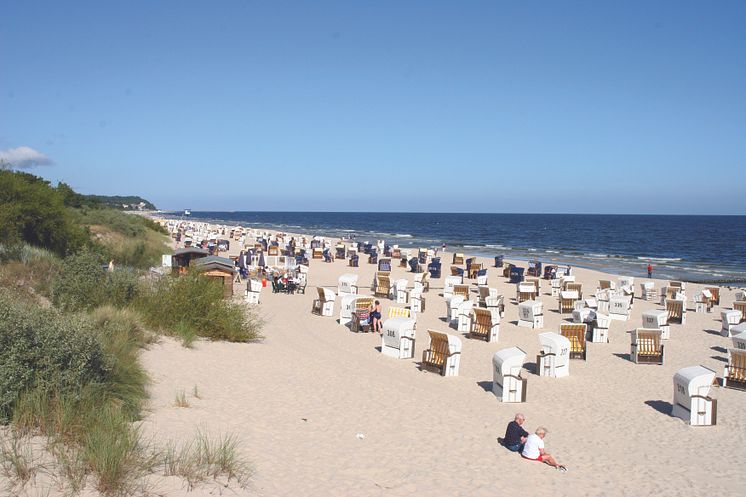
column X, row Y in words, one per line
column 539, row 459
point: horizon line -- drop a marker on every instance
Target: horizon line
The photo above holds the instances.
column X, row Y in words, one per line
column 452, row 213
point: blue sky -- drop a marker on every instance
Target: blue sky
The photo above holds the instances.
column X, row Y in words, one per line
column 494, row 106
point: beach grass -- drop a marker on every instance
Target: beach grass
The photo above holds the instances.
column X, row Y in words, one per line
column 194, row 305
column 181, row 399
column 206, row 457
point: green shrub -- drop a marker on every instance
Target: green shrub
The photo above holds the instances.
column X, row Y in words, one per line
column 32, row 211
column 81, row 283
column 192, row 301
column 84, row 284
column 28, row 270
column 130, row 225
column 43, row 349
column 121, row 287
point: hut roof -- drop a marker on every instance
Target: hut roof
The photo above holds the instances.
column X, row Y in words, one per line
column 191, row 251
column 215, row 262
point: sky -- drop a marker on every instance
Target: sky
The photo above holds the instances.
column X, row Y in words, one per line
column 422, row 106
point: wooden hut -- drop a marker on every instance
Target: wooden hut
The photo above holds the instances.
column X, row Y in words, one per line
column 218, row 268
column 182, row 258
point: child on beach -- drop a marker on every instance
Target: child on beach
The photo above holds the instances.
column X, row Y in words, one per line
column 375, row 315
column 650, row 270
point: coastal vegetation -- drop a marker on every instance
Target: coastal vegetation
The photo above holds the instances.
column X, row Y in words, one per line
column 76, row 309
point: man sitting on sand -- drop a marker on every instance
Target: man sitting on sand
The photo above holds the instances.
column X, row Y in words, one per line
column 515, row 435
column 534, row 449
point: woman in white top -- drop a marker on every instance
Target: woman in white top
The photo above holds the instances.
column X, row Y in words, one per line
column 534, row 449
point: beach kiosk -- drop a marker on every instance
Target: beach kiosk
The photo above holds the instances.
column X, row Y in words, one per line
column 531, row 314
column 507, row 383
column 347, row 285
column 657, row 320
column 554, row 358
column 691, row 386
column 398, row 339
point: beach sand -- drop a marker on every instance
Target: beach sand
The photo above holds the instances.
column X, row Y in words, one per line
column 299, row 398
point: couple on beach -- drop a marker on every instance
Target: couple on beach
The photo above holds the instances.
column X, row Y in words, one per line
column 531, row 446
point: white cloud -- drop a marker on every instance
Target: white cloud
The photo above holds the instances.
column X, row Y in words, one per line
column 24, row 158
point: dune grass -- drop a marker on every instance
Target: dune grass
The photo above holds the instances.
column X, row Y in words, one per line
column 192, row 305
column 16, row 458
column 203, row 457
column 181, row 400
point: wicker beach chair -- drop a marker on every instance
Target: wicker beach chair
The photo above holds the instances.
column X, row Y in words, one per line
column 715, row 292
column 443, row 354
column 458, row 259
column 462, row 290
column 734, row 374
column 567, row 301
column 646, row 347
column 474, row 268
column 324, row 305
column 740, row 306
column 383, row 285
column 484, row 325
column 676, row 311
column 575, row 287
column 399, row 312
column 576, row 333
column 525, row 291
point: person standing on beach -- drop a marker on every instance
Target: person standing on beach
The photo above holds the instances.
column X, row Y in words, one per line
column 650, row 270
column 375, row 316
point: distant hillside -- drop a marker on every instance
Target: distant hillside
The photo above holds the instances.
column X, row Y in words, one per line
column 126, row 203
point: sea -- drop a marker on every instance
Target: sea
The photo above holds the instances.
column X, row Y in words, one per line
column 708, row 249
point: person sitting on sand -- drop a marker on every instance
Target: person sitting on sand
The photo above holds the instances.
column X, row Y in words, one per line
column 515, row 435
column 533, row 449
column 375, row 316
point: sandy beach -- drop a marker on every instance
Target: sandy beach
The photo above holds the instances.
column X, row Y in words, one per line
column 320, row 411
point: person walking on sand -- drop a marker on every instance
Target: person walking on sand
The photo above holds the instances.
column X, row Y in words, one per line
column 533, row 449
column 375, row 316
column 650, row 270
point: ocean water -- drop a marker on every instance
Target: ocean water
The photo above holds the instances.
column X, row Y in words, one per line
column 695, row 248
